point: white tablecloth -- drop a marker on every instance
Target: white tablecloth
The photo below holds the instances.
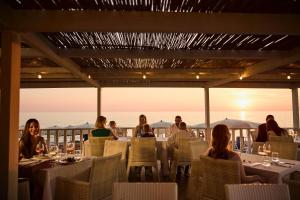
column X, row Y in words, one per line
column 274, row 174
column 47, row 177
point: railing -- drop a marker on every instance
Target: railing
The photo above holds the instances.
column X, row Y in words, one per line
column 62, row 136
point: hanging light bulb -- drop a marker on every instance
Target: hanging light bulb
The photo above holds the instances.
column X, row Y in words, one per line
column 144, row 76
column 89, row 76
column 241, row 77
column 39, row 76
column 197, row 77
column 288, row 77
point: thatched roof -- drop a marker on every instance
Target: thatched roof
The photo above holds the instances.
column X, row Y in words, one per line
column 264, row 51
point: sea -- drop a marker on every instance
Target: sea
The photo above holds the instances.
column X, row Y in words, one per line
column 130, row 119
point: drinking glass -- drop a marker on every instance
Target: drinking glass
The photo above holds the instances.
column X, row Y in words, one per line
column 70, row 148
column 40, row 147
column 53, row 150
column 275, row 156
column 78, row 154
column 266, row 161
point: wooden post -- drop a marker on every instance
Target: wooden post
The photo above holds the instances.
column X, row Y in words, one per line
column 98, row 101
column 207, row 114
column 65, row 140
column 48, row 137
column 9, row 114
column 295, row 103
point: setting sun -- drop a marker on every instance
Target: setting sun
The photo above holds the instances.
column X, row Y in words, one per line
column 243, row 103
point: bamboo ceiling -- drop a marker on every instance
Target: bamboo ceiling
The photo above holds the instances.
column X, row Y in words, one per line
column 204, row 6
column 167, row 58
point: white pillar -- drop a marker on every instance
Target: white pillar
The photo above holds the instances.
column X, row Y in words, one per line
column 207, row 114
column 98, row 101
column 9, row 114
column 295, row 108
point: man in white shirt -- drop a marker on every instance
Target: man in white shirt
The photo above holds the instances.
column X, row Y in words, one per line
column 173, row 142
column 175, row 127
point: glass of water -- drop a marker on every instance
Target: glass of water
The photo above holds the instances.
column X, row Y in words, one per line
column 275, row 156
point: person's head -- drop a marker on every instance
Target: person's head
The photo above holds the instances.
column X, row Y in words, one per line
column 100, row 122
column 273, row 126
column 182, row 126
column 32, row 127
column 146, row 128
column 112, row 124
column 177, row 120
column 142, row 119
column 269, row 117
column 220, row 139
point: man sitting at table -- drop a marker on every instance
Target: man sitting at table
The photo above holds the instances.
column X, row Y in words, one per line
column 175, row 127
column 173, row 142
column 262, row 135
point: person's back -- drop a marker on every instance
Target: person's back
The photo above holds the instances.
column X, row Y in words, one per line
column 262, row 135
column 101, row 132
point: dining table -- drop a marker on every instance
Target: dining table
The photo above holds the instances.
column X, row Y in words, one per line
column 44, row 171
column 272, row 172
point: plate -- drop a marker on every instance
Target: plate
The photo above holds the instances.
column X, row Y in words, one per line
column 66, row 162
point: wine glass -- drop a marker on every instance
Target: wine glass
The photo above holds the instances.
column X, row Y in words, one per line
column 53, row 150
column 275, row 157
column 40, row 147
column 78, row 154
column 70, row 148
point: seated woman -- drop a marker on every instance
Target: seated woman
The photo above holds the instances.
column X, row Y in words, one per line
column 139, row 128
column 274, row 130
column 100, row 130
column 30, row 139
column 147, row 131
column 220, row 139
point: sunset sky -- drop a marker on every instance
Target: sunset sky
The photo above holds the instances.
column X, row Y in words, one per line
column 153, row 99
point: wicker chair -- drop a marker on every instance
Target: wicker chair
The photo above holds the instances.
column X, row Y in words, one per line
column 197, row 148
column 286, row 150
column 142, row 153
column 288, row 138
column 255, row 146
column 257, row 191
column 217, row 173
column 182, row 155
column 294, row 189
column 95, row 146
column 104, row 173
column 145, row 191
column 112, row 147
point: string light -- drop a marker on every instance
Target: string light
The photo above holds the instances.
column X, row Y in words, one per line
column 197, row 77
column 241, row 77
column 144, row 76
column 288, row 77
column 89, row 76
column 39, row 76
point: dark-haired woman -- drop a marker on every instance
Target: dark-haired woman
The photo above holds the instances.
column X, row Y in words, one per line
column 274, row 129
column 30, row 138
column 219, row 150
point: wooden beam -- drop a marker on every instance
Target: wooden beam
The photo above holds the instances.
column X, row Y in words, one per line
column 137, row 21
column 170, row 54
column 138, row 83
column 9, row 114
column 295, row 103
column 29, row 53
column 36, row 41
column 48, row 70
column 99, row 101
column 261, row 67
column 207, row 114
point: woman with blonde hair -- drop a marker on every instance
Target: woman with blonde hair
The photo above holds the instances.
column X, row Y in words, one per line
column 100, row 130
column 139, row 128
column 219, row 150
